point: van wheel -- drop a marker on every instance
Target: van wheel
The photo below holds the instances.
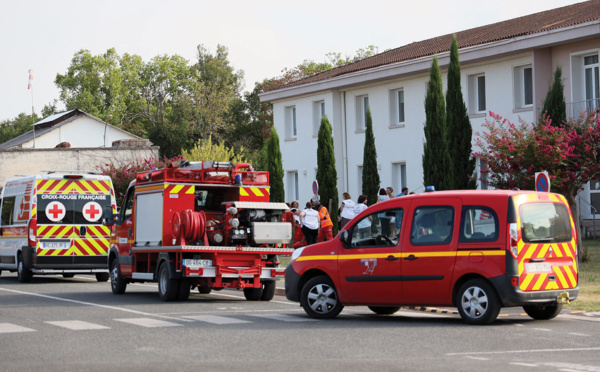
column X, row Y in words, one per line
column 204, row 289
column 23, row 275
column 102, row 277
column 268, row 291
column 478, row 302
column 253, row 294
column 319, row 298
column 117, row 283
column 167, row 287
column 384, row 310
column 543, row 312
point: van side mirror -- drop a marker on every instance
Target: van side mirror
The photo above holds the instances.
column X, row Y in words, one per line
column 345, row 238
column 109, row 218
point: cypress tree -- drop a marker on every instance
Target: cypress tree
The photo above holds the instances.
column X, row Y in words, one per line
column 275, row 168
column 370, row 177
column 437, row 167
column 326, row 171
column 554, row 105
column 459, row 127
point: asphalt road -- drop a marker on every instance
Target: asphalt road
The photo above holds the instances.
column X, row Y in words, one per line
column 57, row 324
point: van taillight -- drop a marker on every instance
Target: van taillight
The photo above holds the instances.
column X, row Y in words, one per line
column 513, row 238
column 32, row 233
column 514, row 280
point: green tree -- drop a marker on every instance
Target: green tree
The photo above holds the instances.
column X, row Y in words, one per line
column 326, row 171
column 555, row 107
column 437, row 167
column 370, row 177
column 459, row 127
column 12, row 128
column 206, row 149
column 275, row 168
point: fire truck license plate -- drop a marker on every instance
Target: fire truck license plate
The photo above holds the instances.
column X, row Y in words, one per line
column 197, row 263
column 538, row 267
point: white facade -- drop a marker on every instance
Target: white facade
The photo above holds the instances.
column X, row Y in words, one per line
column 516, row 72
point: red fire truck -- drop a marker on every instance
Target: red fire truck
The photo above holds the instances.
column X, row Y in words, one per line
column 206, row 225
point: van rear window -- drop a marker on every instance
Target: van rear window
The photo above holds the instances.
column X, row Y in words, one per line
column 545, row 222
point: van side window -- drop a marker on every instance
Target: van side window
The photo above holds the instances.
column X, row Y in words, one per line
column 368, row 232
column 7, row 210
column 478, row 224
column 432, row 225
column 127, row 207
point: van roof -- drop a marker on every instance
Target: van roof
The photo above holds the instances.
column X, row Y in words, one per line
column 58, row 176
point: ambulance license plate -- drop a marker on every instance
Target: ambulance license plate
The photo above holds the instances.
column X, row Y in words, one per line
column 197, row 263
column 538, row 267
column 55, row 245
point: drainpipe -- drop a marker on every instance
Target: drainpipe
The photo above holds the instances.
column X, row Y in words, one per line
column 345, row 144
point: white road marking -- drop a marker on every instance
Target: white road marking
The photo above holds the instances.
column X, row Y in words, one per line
column 579, row 317
column 89, row 304
column 284, row 317
column 214, row 319
column 542, row 329
column 77, row 325
column 526, row 351
column 148, row 323
column 476, row 358
column 12, row 328
column 524, row 364
column 579, row 334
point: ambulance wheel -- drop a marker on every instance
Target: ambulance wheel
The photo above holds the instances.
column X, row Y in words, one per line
column 183, row 292
column 384, row 310
column 478, row 302
column 23, row 275
column 543, row 312
column 268, row 291
column 319, row 298
column 68, row 275
column 167, row 287
column 204, row 289
column 102, row 277
column 117, row 283
column 253, row 294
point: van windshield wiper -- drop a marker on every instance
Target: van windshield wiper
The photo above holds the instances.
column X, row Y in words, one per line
column 542, row 240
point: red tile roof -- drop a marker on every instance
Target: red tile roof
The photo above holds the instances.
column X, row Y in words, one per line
column 527, row 25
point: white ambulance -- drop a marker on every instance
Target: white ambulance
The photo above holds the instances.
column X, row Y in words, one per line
column 52, row 224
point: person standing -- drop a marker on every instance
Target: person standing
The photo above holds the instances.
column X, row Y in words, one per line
column 326, row 232
column 383, row 218
column 309, row 219
column 347, row 210
column 364, row 225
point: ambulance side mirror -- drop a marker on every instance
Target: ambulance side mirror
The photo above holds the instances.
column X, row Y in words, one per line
column 109, row 219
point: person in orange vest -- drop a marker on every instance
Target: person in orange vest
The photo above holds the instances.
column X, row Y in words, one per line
column 326, row 232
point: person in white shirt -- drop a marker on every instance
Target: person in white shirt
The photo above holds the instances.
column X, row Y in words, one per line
column 309, row 219
column 347, row 210
column 364, row 225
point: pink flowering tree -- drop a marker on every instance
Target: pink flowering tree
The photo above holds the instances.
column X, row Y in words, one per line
column 515, row 152
column 123, row 174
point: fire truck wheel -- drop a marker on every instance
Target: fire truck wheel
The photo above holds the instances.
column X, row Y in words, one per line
column 167, row 287
column 319, row 298
column 23, row 275
column 68, row 275
column 543, row 312
column 253, row 294
column 268, row 291
column 102, row 277
column 183, row 292
column 204, row 290
column 384, row 310
column 117, row 283
column 477, row 302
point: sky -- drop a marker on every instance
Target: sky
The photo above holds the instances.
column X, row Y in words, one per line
column 263, row 36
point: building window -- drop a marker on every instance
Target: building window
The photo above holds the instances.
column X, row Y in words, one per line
column 359, row 178
column 397, row 107
column 523, row 76
column 399, row 177
column 318, row 113
column 591, row 82
column 291, row 130
column 362, row 105
column 477, row 94
column 293, row 190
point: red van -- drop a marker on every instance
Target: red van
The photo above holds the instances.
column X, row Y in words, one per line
column 478, row 251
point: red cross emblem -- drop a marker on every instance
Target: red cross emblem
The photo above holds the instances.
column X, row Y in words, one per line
column 92, row 211
column 55, row 211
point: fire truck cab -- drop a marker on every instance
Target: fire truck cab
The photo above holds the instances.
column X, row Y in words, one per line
column 206, row 225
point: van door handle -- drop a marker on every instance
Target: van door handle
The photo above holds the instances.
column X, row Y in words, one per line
column 392, row 258
column 537, row 260
column 412, row 257
column 82, row 231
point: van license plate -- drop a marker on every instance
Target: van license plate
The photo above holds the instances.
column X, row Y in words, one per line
column 55, row 245
column 539, row 267
column 197, row 263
